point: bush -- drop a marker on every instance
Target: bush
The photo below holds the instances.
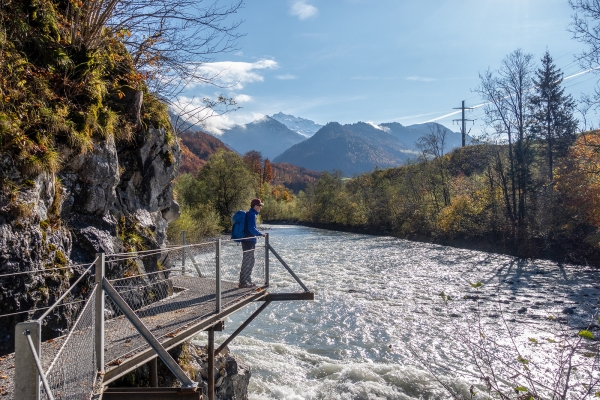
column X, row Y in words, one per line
column 198, row 223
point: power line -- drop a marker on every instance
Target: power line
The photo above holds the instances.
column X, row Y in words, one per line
column 463, row 130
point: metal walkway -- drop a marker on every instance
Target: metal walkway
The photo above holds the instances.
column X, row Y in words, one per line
column 140, row 305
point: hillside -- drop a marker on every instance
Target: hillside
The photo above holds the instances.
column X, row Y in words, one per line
column 293, row 177
column 353, row 149
column 196, row 147
column 265, row 135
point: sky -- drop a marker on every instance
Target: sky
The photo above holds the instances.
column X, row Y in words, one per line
column 382, row 60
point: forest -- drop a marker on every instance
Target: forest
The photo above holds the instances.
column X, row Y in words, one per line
column 529, row 187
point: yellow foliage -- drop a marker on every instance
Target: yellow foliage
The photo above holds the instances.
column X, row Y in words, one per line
column 579, row 178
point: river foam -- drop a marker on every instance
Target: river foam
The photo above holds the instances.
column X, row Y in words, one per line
column 380, row 324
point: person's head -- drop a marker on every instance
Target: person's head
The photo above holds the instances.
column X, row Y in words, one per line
column 256, row 204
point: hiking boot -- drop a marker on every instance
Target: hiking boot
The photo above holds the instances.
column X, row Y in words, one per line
column 246, row 285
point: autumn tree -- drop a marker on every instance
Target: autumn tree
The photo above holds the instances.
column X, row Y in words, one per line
column 267, row 175
column 552, row 111
column 253, row 160
column 579, row 179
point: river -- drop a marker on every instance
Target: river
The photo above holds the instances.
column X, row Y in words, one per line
column 389, row 312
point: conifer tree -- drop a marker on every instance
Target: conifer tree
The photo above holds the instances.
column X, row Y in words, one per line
column 552, row 111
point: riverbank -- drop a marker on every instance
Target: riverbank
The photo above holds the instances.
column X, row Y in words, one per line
column 571, row 250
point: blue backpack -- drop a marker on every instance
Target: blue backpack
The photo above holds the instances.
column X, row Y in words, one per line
column 238, row 230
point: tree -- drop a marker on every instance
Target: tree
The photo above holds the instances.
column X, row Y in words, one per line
column 552, row 111
column 226, row 183
column 267, row 172
column 433, row 147
column 253, row 160
column 585, row 28
column 169, row 41
column 508, row 95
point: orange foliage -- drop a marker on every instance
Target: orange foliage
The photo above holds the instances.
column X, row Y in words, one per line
column 196, row 148
column 579, row 179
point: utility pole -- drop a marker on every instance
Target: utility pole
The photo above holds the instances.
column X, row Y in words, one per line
column 463, row 120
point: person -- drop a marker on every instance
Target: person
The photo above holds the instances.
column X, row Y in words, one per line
column 249, row 244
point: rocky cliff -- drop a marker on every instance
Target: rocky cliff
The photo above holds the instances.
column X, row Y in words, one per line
column 96, row 202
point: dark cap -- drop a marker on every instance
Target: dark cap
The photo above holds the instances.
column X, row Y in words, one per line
column 256, row 202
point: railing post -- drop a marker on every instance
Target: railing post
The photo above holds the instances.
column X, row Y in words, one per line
column 211, row 363
column 183, row 253
column 27, row 378
column 267, row 259
column 99, row 322
column 218, row 277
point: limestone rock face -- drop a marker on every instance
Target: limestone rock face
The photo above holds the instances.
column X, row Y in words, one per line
column 63, row 219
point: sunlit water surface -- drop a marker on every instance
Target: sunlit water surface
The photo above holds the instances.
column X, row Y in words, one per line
column 378, row 298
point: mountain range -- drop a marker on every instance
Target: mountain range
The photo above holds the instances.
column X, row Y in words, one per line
column 266, row 135
column 303, row 126
column 351, row 148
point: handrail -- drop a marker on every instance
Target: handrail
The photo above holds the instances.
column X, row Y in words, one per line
column 66, row 293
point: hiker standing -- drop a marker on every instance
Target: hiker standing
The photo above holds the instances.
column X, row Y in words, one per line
column 249, row 244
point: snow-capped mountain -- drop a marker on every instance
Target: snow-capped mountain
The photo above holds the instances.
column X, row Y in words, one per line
column 303, row 126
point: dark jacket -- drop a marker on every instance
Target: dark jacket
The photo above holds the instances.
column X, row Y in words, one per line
column 251, row 230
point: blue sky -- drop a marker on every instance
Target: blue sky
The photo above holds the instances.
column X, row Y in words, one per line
column 382, row 61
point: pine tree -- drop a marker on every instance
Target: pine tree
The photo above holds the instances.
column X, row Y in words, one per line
column 553, row 119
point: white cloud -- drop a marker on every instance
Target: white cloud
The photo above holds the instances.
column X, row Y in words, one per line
column 193, row 111
column 419, row 79
column 232, row 74
column 286, row 77
column 303, row 10
column 374, row 125
column 243, row 98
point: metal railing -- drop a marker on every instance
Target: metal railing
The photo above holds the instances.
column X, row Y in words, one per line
column 138, row 300
column 71, row 373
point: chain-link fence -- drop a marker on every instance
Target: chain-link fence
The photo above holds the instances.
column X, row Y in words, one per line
column 72, row 374
column 169, row 289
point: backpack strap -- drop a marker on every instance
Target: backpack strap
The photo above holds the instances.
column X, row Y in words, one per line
column 246, row 231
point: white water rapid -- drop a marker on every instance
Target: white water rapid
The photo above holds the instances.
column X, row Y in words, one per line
column 380, row 323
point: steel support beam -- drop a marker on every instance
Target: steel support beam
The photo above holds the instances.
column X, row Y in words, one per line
column 267, row 260
column 148, row 336
column 99, row 306
column 218, row 277
column 150, row 394
column 211, row 364
column 183, row 252
column 154, row 372
column 290, row 296
column 242, row 327
column 143, row 357
column 288, row 268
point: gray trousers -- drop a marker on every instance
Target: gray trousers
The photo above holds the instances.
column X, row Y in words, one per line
column 247, row 262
